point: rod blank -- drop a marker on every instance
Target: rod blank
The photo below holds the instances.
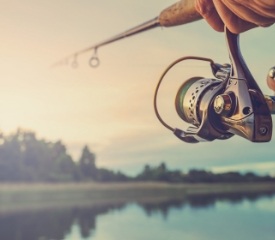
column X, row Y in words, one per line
column 179, row 13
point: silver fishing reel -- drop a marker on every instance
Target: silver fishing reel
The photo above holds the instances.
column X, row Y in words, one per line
column 230, row 103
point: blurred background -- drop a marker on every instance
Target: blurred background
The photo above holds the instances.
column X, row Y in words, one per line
column 103, row 119
column 110, row 108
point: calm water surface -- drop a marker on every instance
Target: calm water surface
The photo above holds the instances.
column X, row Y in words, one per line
column 212, row 217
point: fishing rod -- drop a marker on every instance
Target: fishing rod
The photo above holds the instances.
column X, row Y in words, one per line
column 230, row 103
column 179, row 13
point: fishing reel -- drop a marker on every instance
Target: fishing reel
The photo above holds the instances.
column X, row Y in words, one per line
column 229, row 104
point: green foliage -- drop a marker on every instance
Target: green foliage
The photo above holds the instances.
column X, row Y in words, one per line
column 160, row 173
column 24, row 158
column 105, row 175
column 87, row 165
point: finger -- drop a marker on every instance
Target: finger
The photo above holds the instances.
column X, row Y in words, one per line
column 264, row 7
column 230, row 19
column 248, row 12
column 207, row 10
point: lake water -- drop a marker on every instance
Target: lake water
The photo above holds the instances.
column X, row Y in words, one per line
column 210, row 217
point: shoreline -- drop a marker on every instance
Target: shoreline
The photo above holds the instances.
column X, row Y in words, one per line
column 23, row 197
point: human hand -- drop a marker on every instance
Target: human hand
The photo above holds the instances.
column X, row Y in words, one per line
column 237, row 15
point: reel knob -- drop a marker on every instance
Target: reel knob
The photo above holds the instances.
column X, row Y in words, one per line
column 223, row 104
column 271, row 78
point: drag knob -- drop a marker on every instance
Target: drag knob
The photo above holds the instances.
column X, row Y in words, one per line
column 271, row 79
column 223, row 104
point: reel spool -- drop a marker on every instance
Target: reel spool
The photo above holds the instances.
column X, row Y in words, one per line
column 189, row 97
column 230, row 103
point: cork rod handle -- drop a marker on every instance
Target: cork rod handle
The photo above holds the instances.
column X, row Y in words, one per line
column 179, row 13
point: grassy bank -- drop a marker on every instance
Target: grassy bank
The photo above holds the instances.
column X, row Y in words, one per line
column 33, row 196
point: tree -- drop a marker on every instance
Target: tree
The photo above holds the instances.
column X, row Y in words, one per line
column 87, row 164
column 160, row 173
column 10, row 158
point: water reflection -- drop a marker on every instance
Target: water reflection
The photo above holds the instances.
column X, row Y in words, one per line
column 201, row 201
column 55, row 224
column 52, row 224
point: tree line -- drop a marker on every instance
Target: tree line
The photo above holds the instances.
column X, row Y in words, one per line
column 25, row 158
column 162, row 173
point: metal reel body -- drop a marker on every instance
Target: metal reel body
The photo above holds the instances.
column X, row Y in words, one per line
column 229, row 104
column 219, row 109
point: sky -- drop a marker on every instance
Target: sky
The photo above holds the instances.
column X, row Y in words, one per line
column 110, row 108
